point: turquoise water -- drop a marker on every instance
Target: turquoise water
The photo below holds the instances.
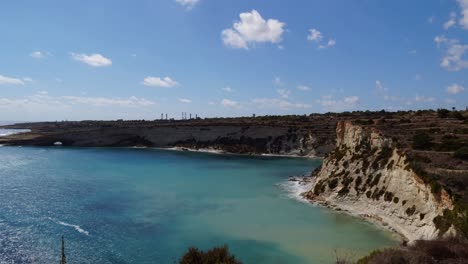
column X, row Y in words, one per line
column 148, row 206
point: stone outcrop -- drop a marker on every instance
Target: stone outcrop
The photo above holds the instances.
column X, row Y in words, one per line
column 368, row 175
column 242, row 139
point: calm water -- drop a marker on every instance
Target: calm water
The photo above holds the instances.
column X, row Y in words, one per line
column 148, row 206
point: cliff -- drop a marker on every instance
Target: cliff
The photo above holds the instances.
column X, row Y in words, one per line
column 369, row 175
column 243, row 138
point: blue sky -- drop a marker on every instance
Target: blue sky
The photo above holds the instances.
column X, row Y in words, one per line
column 137, row 59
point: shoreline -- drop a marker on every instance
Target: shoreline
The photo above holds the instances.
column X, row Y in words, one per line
column 302, row 183
column 222, row 152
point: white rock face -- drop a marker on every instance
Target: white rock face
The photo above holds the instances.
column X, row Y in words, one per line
column 367, row 176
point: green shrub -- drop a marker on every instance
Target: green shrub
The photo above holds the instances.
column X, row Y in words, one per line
column 461, row 153
column 443, row 113
column 388, row 197
column 422, row 141
column 411, row 210
column 333, row 183
column 217, row 255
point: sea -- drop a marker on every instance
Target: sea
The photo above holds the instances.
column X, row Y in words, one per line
column 134, row 205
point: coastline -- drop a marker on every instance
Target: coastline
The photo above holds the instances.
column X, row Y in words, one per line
column 221, row 152
column 297, row 186
column 301, row 185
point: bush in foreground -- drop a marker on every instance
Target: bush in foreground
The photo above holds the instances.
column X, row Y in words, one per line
column 217, row 255
column 442, row 251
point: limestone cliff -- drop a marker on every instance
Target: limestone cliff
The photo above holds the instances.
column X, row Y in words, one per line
column 368, row 175
column 242, row 139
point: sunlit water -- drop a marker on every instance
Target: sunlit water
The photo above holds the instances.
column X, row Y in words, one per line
column 149, row 206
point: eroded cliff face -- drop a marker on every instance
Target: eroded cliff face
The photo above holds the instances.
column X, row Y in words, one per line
column 233, row 139
column 369, row 176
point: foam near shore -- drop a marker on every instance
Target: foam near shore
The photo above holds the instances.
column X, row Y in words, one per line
column 295, row 187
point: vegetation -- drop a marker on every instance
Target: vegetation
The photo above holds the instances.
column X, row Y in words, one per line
column 445, row 251
column 443, row 113
column 461, row 153
column 422, row 141
column 217, row 255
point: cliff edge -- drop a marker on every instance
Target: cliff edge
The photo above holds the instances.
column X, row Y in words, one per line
column 369, row 175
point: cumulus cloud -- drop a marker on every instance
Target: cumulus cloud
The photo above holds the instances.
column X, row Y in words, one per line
column 95, row 60
column 276, row 103
column 304, row 88
column 451, row 22
column 454, row 57
column 230, row 103
column 5, row 80
column 315, row 35
column 464, row 11
column 455, row 89
column 188, row 4
column 251, row 29
column 185, row 100
column 37, row 54
column 165, row 82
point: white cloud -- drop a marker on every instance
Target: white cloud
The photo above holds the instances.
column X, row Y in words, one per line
column 188, row 4
column 464, row 11
column 412, row 52
column 380, row 87
column 42, row 98
column 28, row 79
column 315, row 35
column 185, row 100
column 329, row 44
column 276, row 103
column 344, row 104
column 252, row 28
column 10, row 81
column 37, row 54
column 451, row 22
column 104, row 101
column 455, row 89
column 227, row 89
column 165, row 82
column 453, row 59
column 283, row 93
column 95, row 60
column 229, row 103
column 352, row 100
column 424, row 99
column 304, row 88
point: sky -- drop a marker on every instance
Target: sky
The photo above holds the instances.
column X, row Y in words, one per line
column 136, row 59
